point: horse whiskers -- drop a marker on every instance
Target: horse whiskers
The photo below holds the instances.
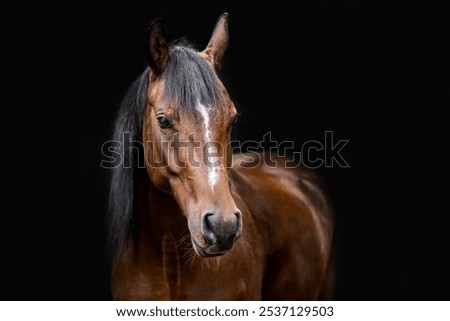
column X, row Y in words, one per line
column 189, row 257
column 184, row 242
column 210, row 264
column 186, row 250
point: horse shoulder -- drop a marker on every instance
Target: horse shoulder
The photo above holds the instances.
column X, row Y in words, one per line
column 295, row 219
column 296, row 191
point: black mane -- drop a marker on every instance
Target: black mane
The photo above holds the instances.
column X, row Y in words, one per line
column 188, row 80
column 121, row 193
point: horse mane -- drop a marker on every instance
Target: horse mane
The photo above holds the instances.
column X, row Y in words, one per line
column 189, row 80
column 129, row 120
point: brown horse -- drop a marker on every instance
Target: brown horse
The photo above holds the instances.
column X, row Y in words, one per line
column 189, row 220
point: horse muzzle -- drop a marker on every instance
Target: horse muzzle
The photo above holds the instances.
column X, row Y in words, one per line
column 219, row 234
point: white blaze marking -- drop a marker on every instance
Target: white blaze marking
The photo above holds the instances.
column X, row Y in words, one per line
column 213, row 174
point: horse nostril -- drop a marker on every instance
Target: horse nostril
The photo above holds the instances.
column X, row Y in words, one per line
column 238, row 228
column 208, row 228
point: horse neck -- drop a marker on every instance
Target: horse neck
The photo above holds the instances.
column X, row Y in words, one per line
column 157, row 213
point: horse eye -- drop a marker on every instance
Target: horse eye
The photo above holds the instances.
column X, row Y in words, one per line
column 163, row 122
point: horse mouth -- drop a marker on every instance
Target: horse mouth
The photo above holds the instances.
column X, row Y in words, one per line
column 205, row 251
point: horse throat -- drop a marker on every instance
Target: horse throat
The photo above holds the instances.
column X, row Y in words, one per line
column 160, row 229
column 171, row 266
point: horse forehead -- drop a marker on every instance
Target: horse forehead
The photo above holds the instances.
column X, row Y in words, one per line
column 155, row 91
column 204, row 110
column 211, row 117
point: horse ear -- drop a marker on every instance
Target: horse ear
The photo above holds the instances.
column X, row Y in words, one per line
column 218, row 42
column 157, row 48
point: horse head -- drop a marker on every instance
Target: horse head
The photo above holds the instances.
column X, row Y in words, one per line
column 186, row 135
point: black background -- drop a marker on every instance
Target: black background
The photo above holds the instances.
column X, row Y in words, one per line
column 376, row 74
